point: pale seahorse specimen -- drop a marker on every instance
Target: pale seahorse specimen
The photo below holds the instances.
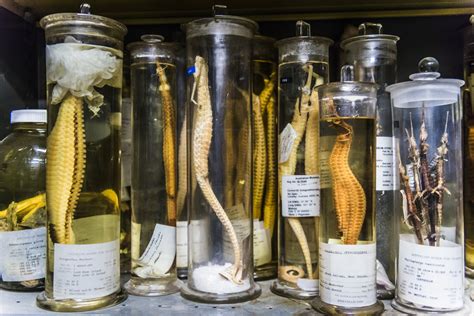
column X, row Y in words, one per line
column 66, row 160
column 169, row 148
column 348, row 194
column 298, row 123
column 259, row 158
column 202, row 136
column 182, row 170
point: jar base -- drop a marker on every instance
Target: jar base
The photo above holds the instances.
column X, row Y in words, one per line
column 73, row 305
column 152, row 287
column 265, row 272
column 412, row 310
column 22, row 286
column 290, row 292
column 329, row 309
column 228, row 298
column 182, row 273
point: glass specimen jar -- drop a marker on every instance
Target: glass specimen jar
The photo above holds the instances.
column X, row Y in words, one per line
column 468, row 148
column 154, row 185
column 219, row 60
column 347, row 225
column 428, row 215
column 374, row 57
column 303, row 65
column 22, row 202
column 265, row 144
column 84, row 83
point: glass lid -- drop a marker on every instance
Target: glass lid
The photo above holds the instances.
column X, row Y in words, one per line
column 370, row 32
column 153, row 46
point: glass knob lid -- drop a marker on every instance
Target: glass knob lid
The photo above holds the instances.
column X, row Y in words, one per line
column 152, row 38
column 370, row 28
column 428, row 68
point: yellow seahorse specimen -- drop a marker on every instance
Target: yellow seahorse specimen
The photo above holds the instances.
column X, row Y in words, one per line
column 202, row 135
column 66, row 159
column 259, row 158
column 348, row 194
column 270, row 204
column 25, row 208
column 169, row 148
column 298, row 123
column 182, row 170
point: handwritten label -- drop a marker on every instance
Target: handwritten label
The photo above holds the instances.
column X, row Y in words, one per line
column 430, row 276
column 286, row 140
column 86, row 271
column 384, row 164
column 182, row 244
column 347, row 274
column 300, row 196
column 161, row 249
column 23, row 254
column 262, row 247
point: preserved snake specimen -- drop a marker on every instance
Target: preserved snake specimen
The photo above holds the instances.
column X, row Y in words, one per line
column 298, row 123
column 348, row 194
column 202, row 135
column 65, row 168
column 259, row 158
column 169, row 148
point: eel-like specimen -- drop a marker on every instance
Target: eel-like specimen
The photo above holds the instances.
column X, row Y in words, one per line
column 169, row 148
column 259, row 158
column 270, row 203
column 348, row 194
column 298, row 123
column 66, row 160
column 202, row 135
column 182, row 170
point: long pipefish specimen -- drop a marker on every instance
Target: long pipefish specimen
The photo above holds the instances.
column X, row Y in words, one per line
column 169, row 148
column 348, row 194
column 259, row 158
column 270, row 203
column 66, row 160
column 202, row 136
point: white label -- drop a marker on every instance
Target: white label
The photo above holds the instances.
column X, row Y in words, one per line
column 199, row 243
column 262, row 247
column 161, row 249
column 430, row 276
column 307, row 284
column 347, row 274
column 241, row 225
column 287, row 138
column 325, row 148
column 300, row 196
column 23, row 254
column 182, row 244
column 86, row 271
column 384, row 164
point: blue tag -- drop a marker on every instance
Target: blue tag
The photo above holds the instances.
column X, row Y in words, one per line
column 286, row 80
column 191, row 70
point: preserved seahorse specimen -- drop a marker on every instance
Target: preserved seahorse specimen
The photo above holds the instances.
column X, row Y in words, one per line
column 348, row 194
column 298, row 123
column 65, row 168
column 269, row 206
column 267, row 91
column 259, row 158
column 202, row 135
column 169, row 148
column 182, row 170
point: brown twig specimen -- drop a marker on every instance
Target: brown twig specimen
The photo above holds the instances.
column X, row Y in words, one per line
column 169, row 148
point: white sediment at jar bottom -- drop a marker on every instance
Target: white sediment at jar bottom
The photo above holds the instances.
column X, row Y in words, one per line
column 208, row 279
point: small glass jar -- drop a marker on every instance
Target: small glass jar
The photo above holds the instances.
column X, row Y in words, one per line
column 428, row 216
column 22, row 202
column 468, row 148
column 374, row 57
column 219, row 60
column 154, row 185
column 265, row 156
column 347, row 224
column 303, row 65
column 84, row 90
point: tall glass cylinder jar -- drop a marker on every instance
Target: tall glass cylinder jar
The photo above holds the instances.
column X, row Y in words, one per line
column 84, row 82
column 428, row 215
column 347, row 228
column 374, row 57
column 154, row 167
column 219, row 59
column 302, row 66
column 468, row 148
column 22, row 202
column 265, row 144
